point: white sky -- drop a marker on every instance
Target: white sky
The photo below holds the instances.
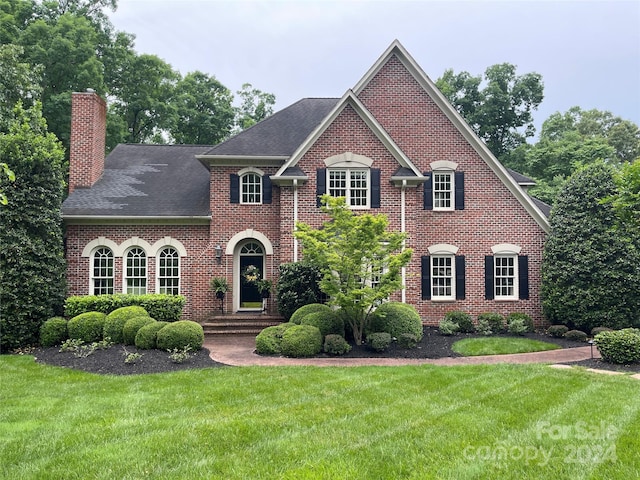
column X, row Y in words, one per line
column 587, row 52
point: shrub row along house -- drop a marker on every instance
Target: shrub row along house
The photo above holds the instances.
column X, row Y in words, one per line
column 168, row 218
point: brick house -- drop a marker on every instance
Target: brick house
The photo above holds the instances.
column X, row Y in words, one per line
column 161, row 218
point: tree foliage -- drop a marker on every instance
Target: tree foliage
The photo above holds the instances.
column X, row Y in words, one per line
column 255, row 106
column 626, row 201
column 590, row 273
column 31, row 252
column 501, row 112
column 361, row 261
column 19, row 81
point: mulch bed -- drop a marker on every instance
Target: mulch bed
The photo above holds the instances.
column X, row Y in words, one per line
column 433, row 345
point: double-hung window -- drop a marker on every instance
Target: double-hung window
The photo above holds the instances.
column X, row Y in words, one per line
column 442, row 277
column 136, row 271
column 353, row 184
column 444, row 188
column 506, row 273
column 251, row 184
column 505, row 277
column 443, row 274
column 102, row 271
column 169, row 271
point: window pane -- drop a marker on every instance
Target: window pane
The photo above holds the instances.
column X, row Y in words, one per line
column 136, row 272
column 168, row 272
column 442, row 277
column 102, row 279
column 442, row 190
column 505, row 276
column 251, row 188
column 353, row 185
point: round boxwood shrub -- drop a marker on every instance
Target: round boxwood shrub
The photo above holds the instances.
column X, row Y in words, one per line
column 87, row 327
column 301, row 341
column 596, row 330
column 620, row 346
column 336, row 345
column 557, row 331
column 114, row 323
column 300, row 313
column 53, row 332
column 491, row 323
column 463, row 319
column 181, row 334
column 327, row 322
column 379, row 341
column 448, row 327
column 146, row 338
column 519, row 323
column 268, row 341
column 407, row 340
column 131, row 327
column 396, row 318
column 576, row 336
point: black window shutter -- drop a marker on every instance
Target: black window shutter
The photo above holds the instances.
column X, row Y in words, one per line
column 459, row 190
column 375, row 188
column 266, row 189
column 426, row 277
column 460, row 278
column 488, row 278
column 234, row 188
column 523, row 277
column 321, row 184
column 428, row 192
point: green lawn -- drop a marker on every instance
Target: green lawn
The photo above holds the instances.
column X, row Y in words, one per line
column 422, row 422
column 500, row 346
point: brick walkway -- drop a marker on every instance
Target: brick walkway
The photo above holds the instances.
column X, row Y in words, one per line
column 238, row 350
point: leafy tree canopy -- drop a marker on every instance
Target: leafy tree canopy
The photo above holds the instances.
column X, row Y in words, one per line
column 19, row 81
column 255, row 106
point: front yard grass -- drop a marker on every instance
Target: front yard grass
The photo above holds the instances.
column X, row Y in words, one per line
column 500, row 346
column 419, row 422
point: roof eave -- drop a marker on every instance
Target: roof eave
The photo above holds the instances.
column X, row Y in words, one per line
column 136, row 219
column 242, row 160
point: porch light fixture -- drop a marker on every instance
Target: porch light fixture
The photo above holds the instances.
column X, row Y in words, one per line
column 218, row 250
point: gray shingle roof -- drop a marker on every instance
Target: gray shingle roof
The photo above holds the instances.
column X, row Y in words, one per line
column 146, row 180
column 281, row 133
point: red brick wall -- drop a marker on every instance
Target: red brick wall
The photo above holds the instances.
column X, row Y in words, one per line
column 87, row 144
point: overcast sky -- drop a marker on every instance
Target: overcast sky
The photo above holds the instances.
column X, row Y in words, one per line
column 587, row 52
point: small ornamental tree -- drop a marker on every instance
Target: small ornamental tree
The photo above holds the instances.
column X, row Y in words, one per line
column 361, row 261
column 590, row 274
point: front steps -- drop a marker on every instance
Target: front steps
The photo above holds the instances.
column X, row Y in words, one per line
column 240, row 323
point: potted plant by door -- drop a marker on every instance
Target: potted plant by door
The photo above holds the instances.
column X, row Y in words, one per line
column 264, row 287
column 220, row 287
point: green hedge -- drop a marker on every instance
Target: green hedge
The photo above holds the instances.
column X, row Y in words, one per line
column 131, row 327
column 53, row 332
column 620, row 346
column 268, row 341
column 162, row 307
column 180, row 335
column 327, row 322
column 115, row 321
column 396, row 318
column 301, row 341
column 300, row 313
column 87, row 327
column 147, row 336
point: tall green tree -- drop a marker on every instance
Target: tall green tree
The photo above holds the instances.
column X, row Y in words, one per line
column 32, row 263
column 255, row 105
column 499, row 106
column 626, row 201
column 361, row 261
column 204, row 111
column 19, row 81
column 590, row 273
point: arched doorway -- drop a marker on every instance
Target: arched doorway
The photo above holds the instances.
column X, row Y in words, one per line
column 251, row 268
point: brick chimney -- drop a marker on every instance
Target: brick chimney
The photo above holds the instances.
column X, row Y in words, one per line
column 88, row 134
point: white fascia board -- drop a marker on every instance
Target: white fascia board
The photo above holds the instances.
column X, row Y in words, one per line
column 134, row 220
column 241, row 160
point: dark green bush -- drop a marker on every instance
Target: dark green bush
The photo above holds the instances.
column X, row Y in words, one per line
column 519, row 323
column 448, row 327
column 162, row 307
column 396, row 318
column 298, row 285
column 300, row 313
column 462, row 319
column 301, row 341
column 146, row 338
column 494, row 321
column 114, row 323
column 596, row 330
column 408, row 340
column 87, row 327
column 327, row 322
column 620, row 346
column 576, row 336
column 557, row 331
column 336, row 345
column 268, row 341
column 53, row 332
column 379, row 341
column 131, row 327
column 181, row 334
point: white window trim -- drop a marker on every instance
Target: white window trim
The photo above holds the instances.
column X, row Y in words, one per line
column 452, row 190
column 348, row 171
column 259, row 186
column 452, row 296
column 157, row 257
column 91, row 256
column 125, row 258
column 507, row 250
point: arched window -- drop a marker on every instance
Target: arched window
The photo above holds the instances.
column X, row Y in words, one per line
column 102, row 271
column 251, row 184
column 136, row 272
column 168, row 271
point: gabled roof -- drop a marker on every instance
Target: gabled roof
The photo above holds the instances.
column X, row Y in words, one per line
column 396, row 49
column 145, row 181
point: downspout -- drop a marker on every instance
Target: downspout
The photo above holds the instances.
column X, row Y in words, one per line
column 295, row 218
column 403, row 228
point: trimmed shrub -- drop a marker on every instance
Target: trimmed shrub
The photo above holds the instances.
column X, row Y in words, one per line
column 520, row 320
column 448, row 327
column 268, row 341
column 87, row 327
column 146, row 338
column 576, row 336
column 300, row 313
column 114, row 323
column 181, row 334
column 301, row 341
column 327, row 322
column 557, row 331
column 379, row 341
column 596, row 330
column 336, row 345
column 494, row 321
column 53, row 332
column 163, row 307
column 131, row 327
column 396, row 318
column 298, row 285
column 484, row 327
column 462, row 319
column 408, row 340
column 620, row 346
